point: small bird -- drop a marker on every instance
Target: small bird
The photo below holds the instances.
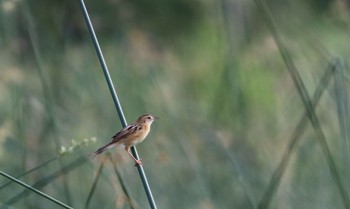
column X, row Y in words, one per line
column 131, row 135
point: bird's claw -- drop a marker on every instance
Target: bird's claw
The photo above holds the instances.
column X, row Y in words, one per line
column 138, row 162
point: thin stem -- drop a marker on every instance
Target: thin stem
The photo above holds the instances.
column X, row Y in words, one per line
column 94, row 184
column 299, row 84
column 122, row 183
column 30, row 171
column 116, row 101
column 35, row 190
column 293, row 141
column 44, row 181
column 343, row 116
column 48, row 101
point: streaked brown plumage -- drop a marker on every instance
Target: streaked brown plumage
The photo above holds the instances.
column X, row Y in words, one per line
column 131, row 135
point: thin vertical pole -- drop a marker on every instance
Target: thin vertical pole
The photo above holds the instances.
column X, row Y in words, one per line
column 116, row 101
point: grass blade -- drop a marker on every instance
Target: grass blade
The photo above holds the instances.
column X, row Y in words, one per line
column 297, row 133
column 47, row 94
column 94, row 184
column 30, row 171
column 122, row 184
column 45, row 181
column 299, row 84
column 30, row 188
column 343, row 115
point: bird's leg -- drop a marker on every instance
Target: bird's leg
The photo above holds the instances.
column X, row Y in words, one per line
column 137, row 162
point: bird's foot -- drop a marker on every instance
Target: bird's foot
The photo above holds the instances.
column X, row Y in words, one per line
column 138, row 162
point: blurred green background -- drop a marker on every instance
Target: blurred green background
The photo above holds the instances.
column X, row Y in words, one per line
column 213, row 73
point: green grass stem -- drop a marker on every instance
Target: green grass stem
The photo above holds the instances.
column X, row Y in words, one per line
column 94, row 184
column 47, row 94
column 342, row 102
column 30, row 171
column 299, row 84
column 293, row 141
column 30, row 188
column 46, row 180
column 117, row 104
column 122, row 184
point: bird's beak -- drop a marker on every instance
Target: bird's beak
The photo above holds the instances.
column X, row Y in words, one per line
column 155, row 117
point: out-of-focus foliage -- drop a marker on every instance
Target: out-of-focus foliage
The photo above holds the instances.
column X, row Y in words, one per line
column 209, row 69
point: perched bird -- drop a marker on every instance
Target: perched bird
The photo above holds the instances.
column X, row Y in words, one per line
column 131, row 135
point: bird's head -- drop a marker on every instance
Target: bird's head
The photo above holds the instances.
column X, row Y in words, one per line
column 147, row 118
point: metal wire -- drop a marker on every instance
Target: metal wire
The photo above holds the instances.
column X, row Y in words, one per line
column 116, row 101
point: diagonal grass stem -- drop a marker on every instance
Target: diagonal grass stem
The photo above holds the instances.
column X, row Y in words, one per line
column 30, row 171
column 293, row 141
column 299, row 84
column 116, row 101
column 45, row 181
column 34, row 190
column 94, row 184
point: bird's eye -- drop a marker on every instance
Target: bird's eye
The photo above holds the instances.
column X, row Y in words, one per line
column 149, row 117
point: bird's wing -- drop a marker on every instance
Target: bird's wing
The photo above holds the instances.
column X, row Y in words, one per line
column 125, row 132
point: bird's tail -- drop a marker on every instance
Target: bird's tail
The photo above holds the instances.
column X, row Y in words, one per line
column 104, row 148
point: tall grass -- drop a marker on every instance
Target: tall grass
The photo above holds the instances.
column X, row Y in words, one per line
column 310, row 110
column 227, row 137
